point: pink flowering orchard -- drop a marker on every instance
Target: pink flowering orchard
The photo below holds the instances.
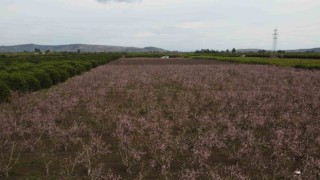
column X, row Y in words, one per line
column 166, row 119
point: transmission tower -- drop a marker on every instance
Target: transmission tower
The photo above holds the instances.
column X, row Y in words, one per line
column 275, row 39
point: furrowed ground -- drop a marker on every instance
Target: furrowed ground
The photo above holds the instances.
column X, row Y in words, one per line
column 167, row 119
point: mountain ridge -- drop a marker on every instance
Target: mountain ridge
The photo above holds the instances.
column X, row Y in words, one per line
column 75, row 47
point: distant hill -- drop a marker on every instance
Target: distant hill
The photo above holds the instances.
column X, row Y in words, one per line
column 305, row 50
column 75, row 47
column 249, row 50
column 296, row 50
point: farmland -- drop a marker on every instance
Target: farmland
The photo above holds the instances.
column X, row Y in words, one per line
column 296, row 60
column 285, row 62
column 29, row 72
column 143, row 118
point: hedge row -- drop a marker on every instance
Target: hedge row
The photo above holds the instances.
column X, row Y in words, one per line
column 285, row 62
column 289, row 55
column 44, row 76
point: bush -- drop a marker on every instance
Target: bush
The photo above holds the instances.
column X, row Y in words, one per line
column 17, row 82
column 33, row 82
column 64, row 74
column 54, row 75
column 87, row 65
column 43, row 77
column 94, row 64
column 4, row 91
column 80, row 68
column 12, row 69
column 4, row 76
column 71, row 70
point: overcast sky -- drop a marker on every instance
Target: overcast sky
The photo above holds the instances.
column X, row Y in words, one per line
column 170, row 24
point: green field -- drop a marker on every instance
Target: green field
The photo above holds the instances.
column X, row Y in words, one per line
column 267, row 54
column 285, row 62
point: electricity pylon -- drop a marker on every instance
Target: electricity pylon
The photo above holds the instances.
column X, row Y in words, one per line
column 275, row 39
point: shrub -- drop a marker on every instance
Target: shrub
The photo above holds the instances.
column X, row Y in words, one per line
column 80, row 68
column 3, row 76
column 71, row 70
column 43, row 78
column 4, row 91
column 17, row 82
column 87, row 65
column 13, row 69
column 33, row 82
column 54, row 75
column 94, row 64
column 64, row 74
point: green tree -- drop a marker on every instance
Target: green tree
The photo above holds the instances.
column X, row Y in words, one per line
column 37, row 50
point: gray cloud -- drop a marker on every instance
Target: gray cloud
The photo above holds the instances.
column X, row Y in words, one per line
column 183, row 25
column 106, row 1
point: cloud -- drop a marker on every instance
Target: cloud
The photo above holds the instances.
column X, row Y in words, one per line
column 106, row 1
column 193, row 25
column 144, row 34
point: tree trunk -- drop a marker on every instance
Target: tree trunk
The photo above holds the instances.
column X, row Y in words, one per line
column 6, row 174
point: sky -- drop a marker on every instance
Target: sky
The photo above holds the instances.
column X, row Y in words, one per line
column 182, row 25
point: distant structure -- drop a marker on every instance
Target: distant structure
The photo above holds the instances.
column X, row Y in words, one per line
column 275, row 39
column 165, row 57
